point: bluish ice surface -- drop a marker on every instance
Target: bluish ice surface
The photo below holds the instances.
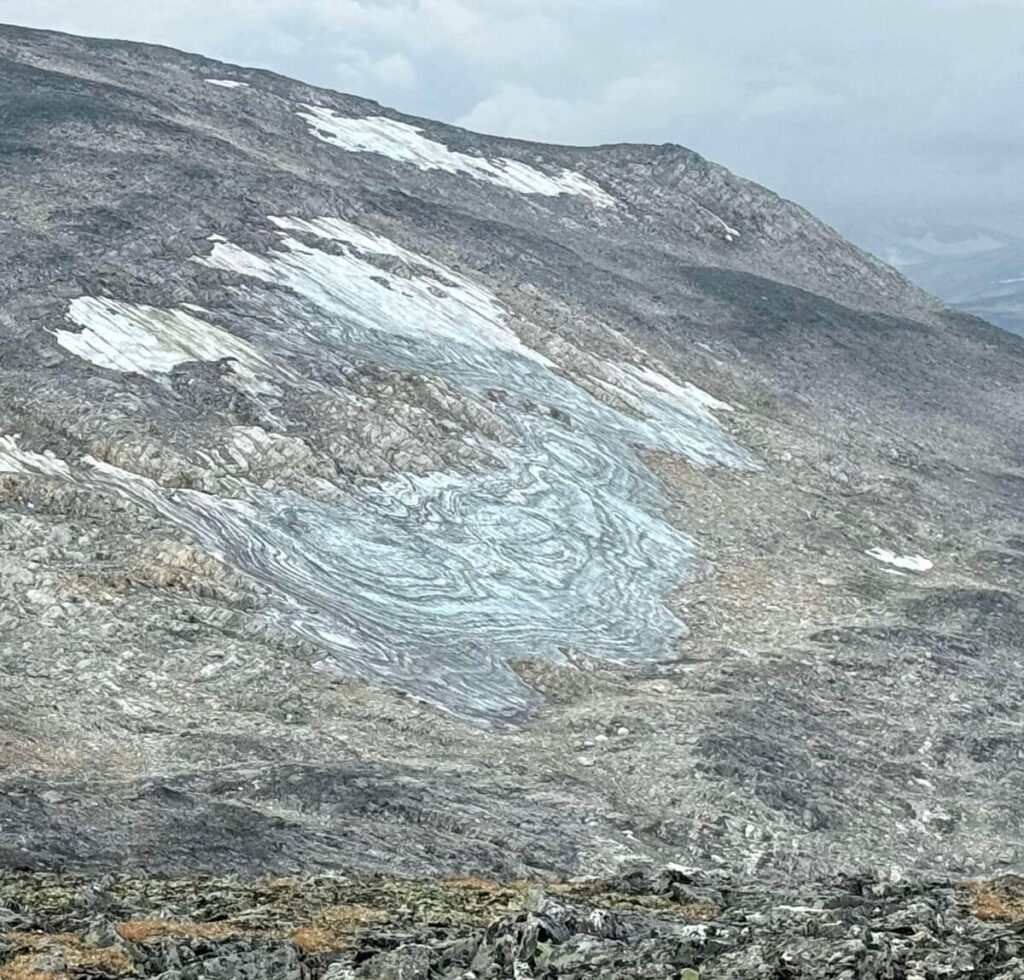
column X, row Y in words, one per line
column 435, row 584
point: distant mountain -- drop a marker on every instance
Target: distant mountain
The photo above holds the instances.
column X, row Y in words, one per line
column 989, row 284
column 976, row 269
column 484, row 558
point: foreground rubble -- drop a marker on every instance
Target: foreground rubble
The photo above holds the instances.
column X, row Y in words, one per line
column 679, row 924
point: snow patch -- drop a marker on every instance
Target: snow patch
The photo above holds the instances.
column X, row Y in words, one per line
column 445, row 306
column 226, row 83
column 913, row 563
column 685, row 394
column 145, row 340
column 731, row 234
column 14, row 459
column 407, row 144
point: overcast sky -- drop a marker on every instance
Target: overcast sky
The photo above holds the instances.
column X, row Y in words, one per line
column 859, row 109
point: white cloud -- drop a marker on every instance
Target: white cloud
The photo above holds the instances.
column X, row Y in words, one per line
column 476, row 29
column 359, row 72
column 842, row 106
column 521, row 111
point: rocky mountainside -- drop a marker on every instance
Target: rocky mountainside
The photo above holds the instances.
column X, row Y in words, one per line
column 378, row 498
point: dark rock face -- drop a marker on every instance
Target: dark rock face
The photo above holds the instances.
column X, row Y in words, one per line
column 379, row 496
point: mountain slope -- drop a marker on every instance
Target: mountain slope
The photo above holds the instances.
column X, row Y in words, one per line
column 382, row 496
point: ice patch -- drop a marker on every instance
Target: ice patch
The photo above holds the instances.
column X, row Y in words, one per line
column 14, row 459
column 146, row 340
column 407, row 144
column 226, row 83
column 459, row 329
column 444, row 307
column 434, row 584
column 913, row 563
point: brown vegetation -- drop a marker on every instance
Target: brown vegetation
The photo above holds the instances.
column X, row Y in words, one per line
column 75, row 954
column 334, row 927
column 24, row 968
column 999, row 900
column 315, row 939
column 140, row 930
column 474, row 883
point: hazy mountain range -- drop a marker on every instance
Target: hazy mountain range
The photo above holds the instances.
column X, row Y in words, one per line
column 977, row 269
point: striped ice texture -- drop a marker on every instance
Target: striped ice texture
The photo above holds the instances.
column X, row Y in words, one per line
column 436, row 584
column 14, row 459
column 406, row 144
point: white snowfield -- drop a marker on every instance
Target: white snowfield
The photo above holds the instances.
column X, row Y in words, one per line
column 407, row 144
column 913, row 563
column 350, row 286
column 687, row 392
column 226, row 83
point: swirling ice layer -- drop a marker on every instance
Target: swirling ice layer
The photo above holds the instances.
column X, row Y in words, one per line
column 434, row 584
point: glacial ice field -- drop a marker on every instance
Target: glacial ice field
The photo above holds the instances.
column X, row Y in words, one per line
column 431, row 584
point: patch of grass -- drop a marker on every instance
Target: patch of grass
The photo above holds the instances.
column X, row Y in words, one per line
column 141, row 930
column 314, row 939
column 349, row 917
column 76, row 954
column 24, row 968
column 999, row 901
column 40, row 940
column 697, row 911
column 334, row 927
column 108, row 959
column 473, row 883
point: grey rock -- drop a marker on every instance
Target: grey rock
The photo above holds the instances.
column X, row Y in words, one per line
column 409, row 962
